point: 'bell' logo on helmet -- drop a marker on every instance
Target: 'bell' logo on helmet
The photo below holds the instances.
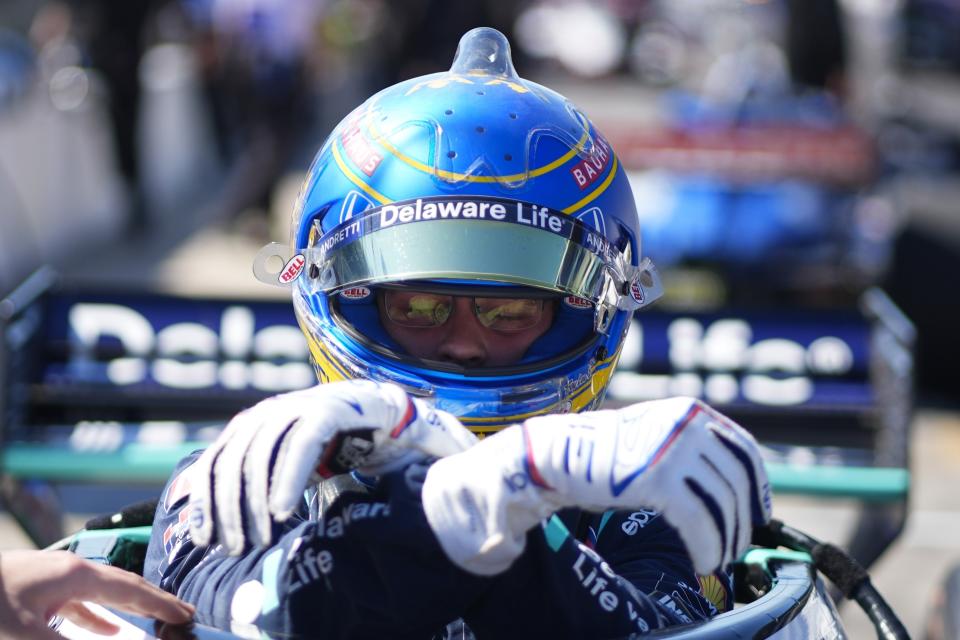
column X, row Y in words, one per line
column 636, row 291
column 575, row 302
column 355, row 293
column 292, row 270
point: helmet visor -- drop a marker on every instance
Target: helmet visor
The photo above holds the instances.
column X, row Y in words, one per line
column 475, row 239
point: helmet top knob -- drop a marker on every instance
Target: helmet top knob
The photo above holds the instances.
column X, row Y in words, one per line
column 484, row 50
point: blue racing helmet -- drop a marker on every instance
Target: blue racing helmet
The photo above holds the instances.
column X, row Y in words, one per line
column 472, row 182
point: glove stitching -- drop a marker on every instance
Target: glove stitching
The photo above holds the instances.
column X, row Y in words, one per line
column 712, row 508
column 409, row 417
column 529, row 463
column 757, row 509
column 733, row 491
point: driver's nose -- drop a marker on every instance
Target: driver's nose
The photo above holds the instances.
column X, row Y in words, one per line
column 463, row 342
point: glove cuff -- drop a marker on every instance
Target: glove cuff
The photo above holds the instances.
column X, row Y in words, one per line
column 459, row 522
column 479, row 517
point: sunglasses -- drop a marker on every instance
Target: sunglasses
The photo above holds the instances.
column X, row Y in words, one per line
column 420, row 309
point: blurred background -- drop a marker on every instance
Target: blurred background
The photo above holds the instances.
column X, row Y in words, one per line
column 782, row 152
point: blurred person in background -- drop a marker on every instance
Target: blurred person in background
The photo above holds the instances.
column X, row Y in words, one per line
column 469, row 254
column 278, row 75
column 112, row 39
column 255, row 60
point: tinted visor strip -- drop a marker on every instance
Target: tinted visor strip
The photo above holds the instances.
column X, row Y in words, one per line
column 442, row 237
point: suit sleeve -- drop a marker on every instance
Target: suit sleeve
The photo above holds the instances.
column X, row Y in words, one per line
column 631, row 576
column 647, row 552
column 368, row 566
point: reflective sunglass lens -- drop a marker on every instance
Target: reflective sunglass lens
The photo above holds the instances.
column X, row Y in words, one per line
column 508, row 314
column 411, row 309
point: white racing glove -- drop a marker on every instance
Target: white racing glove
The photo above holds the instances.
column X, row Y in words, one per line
column 698, row 468
column 256, row 470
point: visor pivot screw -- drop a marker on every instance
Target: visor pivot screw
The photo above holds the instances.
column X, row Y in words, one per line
column 601, row 354
column 314, row 272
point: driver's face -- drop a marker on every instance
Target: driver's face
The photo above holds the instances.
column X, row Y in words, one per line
column 468, row 331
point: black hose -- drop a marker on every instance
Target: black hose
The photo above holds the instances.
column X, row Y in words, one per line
column 885, row 621
column 842, row 570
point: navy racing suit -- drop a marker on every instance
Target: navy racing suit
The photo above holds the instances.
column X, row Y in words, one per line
column 359, row 560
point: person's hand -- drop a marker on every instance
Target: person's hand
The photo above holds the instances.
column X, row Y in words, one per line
column 256, row 471
column 695, row 466
column 37, row 585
